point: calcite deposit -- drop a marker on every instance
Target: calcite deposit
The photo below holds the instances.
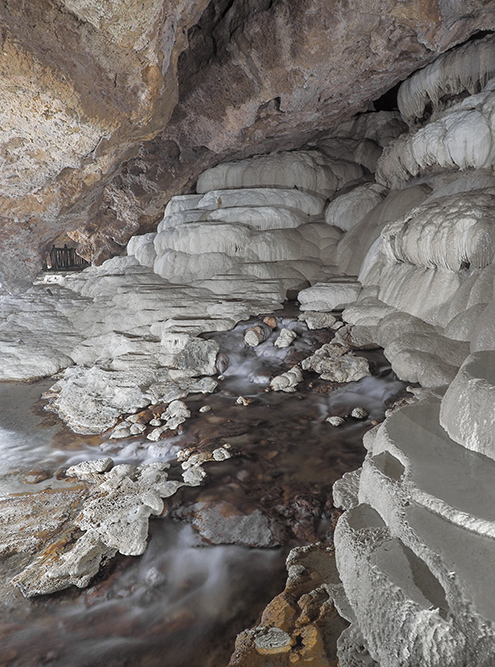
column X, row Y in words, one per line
column 110, row 109
column 213, row 151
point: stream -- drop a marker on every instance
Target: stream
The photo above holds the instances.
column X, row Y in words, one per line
column 183, row 602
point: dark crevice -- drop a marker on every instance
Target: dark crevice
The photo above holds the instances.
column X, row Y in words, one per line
column 388, row 101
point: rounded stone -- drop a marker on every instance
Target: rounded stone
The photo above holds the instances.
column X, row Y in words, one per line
column 335, row 421
column 272, row 641
column 359, row 413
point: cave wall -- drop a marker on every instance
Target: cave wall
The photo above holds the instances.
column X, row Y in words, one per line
column 111, row 110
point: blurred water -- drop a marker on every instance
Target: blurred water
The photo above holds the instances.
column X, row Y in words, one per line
column 182, row 603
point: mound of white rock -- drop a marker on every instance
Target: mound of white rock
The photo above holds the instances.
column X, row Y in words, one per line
column 419, row 530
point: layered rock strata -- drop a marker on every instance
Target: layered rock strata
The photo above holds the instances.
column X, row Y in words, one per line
column 415, row 549
column 416, row 539
column 408, row 257
column 109, row 110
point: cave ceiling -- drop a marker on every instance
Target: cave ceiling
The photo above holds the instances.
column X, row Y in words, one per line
column 111, row 107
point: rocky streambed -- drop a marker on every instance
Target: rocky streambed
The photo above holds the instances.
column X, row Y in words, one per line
column 215, row 554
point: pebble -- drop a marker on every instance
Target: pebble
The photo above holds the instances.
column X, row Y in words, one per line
column 155, row 422
column 338, row 325
column 272, row 641
column 359, row 413
column 221, row 454
column 121, row 431
column 184, row 454
column 270, row 321
column 205, row 408
column 243, row 401
column 335, row 421
column 137, row 428
column 222, row 362
column 194, row 476
column 256, row 335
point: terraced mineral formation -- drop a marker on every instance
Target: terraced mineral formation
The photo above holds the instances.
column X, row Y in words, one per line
column 112, row 108
column 387, row 217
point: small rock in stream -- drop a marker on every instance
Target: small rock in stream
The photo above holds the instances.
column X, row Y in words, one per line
column 256, row 335
column 335, row 421
column 194, row 476
column 222, row 362
column 205, row 408
column 359, row 413
column 243, row 401
column 315, row 320
column 287, row 381
column 222, row 453
column 121, row 431
column 287, row 336
column 270, row 321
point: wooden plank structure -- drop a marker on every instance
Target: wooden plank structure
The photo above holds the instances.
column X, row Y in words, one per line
column 64, row 259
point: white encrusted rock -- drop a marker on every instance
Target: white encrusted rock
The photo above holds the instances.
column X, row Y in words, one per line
column 287, row 381
column 307, row 170
column 307, row 203
column 286, row 338
column 335, row 363
column 315, row 320
column 347, row 210
column 335, row 420
column 325, row 297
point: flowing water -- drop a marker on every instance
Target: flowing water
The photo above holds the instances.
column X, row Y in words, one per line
column 182, row 602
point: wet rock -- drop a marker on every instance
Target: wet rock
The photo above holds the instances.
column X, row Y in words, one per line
column 141, row 417
column 256, row 335
column 184, row 454
column 300, row 626
column 196, row 460
column 157, row 433
column 114, row 517
column 335, row 421
column 243, row 401
column 137, row 428
column 176, row 414
column 205, row 408
column 286, row 338
column 88, row 470
column 270, row 321
column 121, row 431
column 222, row 362
column 335, row 363
column 316, row 320
column 222, row 523
column 270, row 641
column 287, row 381
column 155, row 422
column 222, row 453
column 194, row 476
column 359, row 413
